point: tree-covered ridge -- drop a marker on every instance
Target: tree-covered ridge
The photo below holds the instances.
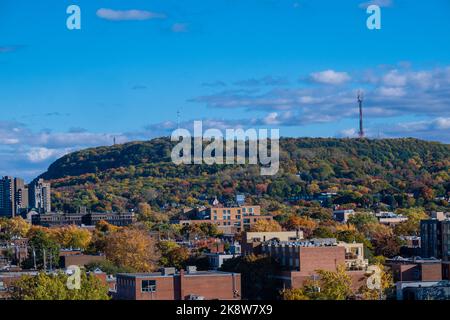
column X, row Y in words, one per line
column 363, row 172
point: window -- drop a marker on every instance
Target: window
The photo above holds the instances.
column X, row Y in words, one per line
column 148, row 286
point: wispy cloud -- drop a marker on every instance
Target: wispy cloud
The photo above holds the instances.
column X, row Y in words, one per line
column 330, row 77
column 265, row 81
column 127, row 15
column 27, row 153
column 431, row 129
column 389, row 93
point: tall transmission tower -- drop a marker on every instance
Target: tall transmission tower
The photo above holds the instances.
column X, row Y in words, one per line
column 360, row 104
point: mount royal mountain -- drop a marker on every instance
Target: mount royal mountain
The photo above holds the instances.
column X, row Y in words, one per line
column 359, row 172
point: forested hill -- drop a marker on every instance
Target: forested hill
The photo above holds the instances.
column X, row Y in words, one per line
column 121, row 176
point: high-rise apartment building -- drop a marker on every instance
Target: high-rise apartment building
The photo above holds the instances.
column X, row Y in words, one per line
column 40, row 196
column 435, row 239
column 13, row 196
column 7, row 197
column 20, row 195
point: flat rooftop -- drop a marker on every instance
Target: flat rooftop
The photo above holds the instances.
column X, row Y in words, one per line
column 413, row 260
column 162, row 275
column 326, row 242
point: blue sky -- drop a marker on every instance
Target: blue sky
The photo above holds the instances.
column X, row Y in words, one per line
column 289, row 64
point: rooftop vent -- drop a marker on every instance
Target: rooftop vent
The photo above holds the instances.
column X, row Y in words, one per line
column 191, row 269
column 168, row 271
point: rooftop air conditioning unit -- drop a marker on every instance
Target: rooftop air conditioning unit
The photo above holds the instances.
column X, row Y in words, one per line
column 168, row 271
column 191, row 269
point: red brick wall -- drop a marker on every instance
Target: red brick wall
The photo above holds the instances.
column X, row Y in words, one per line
column 80, row 260
column 130, row 288
column 431, row 272
column 211, row 287
column 321, row 258
column 180, row 287
column 404, row 272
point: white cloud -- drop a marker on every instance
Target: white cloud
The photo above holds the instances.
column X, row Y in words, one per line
column 348, row 133
column 394, row 78
column 121, row 15
column 391, row 92
column 41, row 154
column 442, row 123
column 430, row 129
column 271, row 118
column 330, row 77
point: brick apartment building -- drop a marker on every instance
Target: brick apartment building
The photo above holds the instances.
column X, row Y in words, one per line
column 183, row 285
column 252, row 241
column 300, row 260
column 228, row 219
column 415, row 269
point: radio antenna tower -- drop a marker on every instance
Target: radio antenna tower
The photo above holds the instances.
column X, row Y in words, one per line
column 360, row 104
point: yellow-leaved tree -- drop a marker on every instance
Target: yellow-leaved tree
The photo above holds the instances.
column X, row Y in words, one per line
column 72, row 237
column 14, row 227
column 132, row 248
column 265, row 226
column 54, row 287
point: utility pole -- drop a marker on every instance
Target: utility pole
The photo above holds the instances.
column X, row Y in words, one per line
column 361, row 126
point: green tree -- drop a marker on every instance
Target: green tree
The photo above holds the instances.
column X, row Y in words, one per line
column 54, row 287
column 42, row 249
column 412, row 225
column 362, row 219
column 172, row 255
column 327, row 285
column 386, row 286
